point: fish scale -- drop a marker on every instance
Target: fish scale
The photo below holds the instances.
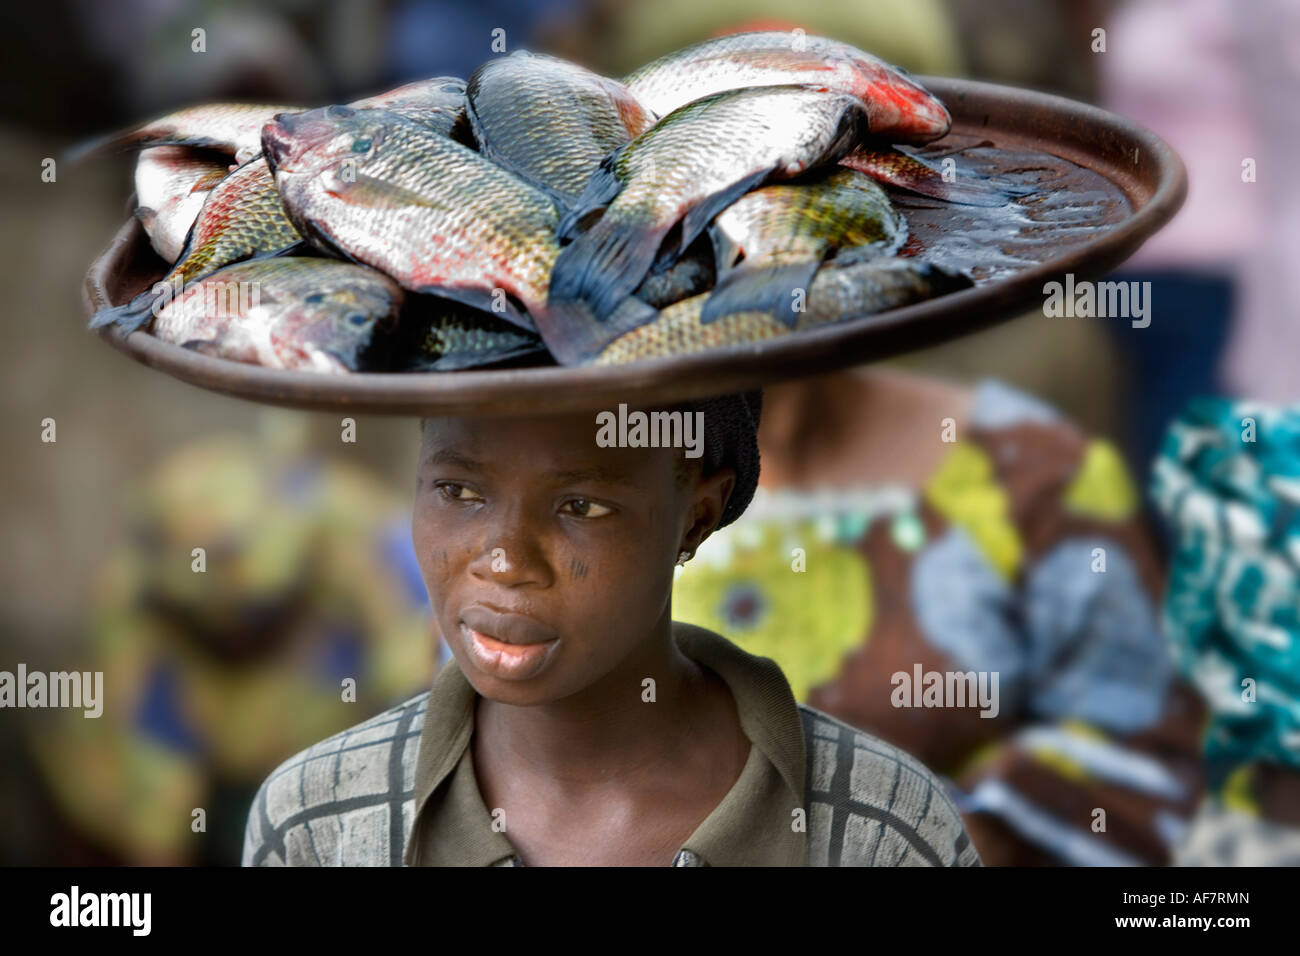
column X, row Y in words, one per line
column 688, row 167
column 317, row 314
column 551, row 121
column 838, row 291
column 900, row 109
column 434, row 215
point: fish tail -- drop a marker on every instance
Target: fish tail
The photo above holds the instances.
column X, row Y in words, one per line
column 601, row 189
column 573, row 334
column 602, row 266
column 127, row 317
column 725, row 252
column 698, row 218
column 772, row 290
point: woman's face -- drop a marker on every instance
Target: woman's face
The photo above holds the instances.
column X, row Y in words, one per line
column 547, row 558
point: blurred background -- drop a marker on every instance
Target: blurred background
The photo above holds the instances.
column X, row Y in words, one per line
column 311, row 576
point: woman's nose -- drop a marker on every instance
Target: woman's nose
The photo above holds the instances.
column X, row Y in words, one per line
column 512, row 554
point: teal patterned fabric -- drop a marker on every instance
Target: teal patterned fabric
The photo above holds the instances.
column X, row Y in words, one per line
column 1228, row 482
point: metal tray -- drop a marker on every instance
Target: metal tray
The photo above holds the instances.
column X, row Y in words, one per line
column 1110, row 184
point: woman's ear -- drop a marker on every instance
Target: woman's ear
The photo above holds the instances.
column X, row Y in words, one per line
column 708, row 501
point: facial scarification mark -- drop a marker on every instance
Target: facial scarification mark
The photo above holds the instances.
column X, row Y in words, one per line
column 578, row 568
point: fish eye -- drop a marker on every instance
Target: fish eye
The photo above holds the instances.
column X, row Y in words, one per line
column 361, row 145
column 314, row 298
column 358, row 318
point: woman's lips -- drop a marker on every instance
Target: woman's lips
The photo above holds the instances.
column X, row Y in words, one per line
column 507, row 661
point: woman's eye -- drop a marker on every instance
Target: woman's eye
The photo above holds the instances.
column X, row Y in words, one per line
column 585, row 508
column 457, row 492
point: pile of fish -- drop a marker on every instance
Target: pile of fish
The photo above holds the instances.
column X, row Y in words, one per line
column 539, row 213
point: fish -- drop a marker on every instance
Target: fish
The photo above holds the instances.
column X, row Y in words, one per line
column 230, row 128
column 549, row 121
column 171, row 183
column 685, row 169
column 439, row 335
column 902, row 170
column 433, row 214
column 900, row 109
column 839, row 291
column 242, row 218
column 435, row 93
column 785, row 231
column 289, row 313
column 438, row 103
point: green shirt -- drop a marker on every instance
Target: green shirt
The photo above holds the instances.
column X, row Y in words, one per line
column 400, row 789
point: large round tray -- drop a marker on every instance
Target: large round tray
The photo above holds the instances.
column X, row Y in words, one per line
column 1144, row 179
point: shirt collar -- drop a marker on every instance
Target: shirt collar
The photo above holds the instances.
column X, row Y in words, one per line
column 752, row 826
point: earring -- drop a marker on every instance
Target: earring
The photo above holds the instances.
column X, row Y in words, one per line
column 683, row 557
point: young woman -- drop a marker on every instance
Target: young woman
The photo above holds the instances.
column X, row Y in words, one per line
column 578, row 724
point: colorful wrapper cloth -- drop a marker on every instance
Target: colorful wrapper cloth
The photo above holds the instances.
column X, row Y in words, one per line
column 1228, row 482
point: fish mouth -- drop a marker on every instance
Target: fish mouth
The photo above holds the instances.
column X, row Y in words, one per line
column 288, row 135
column 506, row 627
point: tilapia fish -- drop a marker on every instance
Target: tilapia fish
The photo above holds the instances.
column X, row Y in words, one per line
column 784, row 231
column 438, row 103
column 550, row 121
column 838, row 291
column 434, row 215
column 290, row 313
column 437, row 335
column 904, row 171
column 241, row 218
column 171, row 183
column 231, row 128
column 686, row 168
column 901, row 110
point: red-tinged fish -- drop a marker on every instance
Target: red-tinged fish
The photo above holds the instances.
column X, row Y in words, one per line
column 429, row 212
column 904, row 171
column 685, row 169
column 171, row 183
column 900, row 109
column 231, row 128
column 242, row 218
column 290, row 313
column 549, row 121
column 839, row 291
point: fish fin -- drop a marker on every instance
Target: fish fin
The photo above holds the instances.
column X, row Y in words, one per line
column 918, row 176
column 725, row 251
column 865, row 253
column 573, row 334
column 601, row 189
column 128, row 317
column 376, row 193
column 454, row 361
column 482, row 300
column 761, row 289
column 209, row 179
column 697, row 218
column 602, row 266
column 292, row 249
column 203, row 347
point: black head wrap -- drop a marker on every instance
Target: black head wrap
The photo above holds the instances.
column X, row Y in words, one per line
column 731, row 439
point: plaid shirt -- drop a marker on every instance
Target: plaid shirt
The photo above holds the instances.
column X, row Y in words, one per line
column 399, row 789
